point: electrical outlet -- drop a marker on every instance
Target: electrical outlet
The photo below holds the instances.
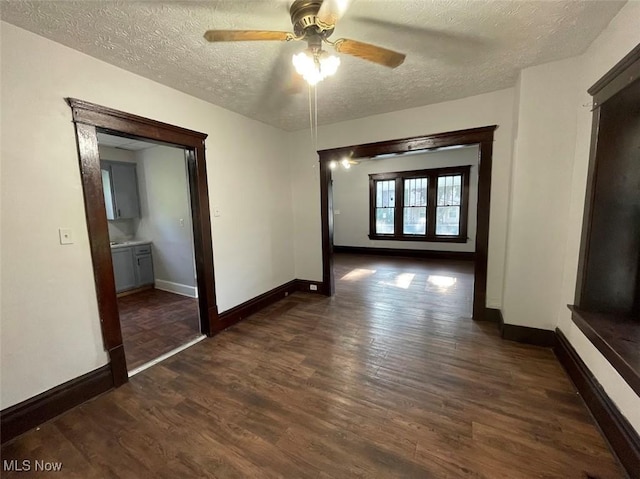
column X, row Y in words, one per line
column 66, row 235
column 313, row 287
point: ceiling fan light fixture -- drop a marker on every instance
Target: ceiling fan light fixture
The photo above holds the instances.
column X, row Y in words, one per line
column 315, row 66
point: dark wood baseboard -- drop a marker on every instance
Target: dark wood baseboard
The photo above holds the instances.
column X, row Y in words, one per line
column 493, row 315
column 252, row 306
column 524, row 334
column 20, row 418
column 305, row 286
column 237, row 313
column 406, row 253
column 617, row 337
column 118, row 365
column 623, row 439
column 520, row 334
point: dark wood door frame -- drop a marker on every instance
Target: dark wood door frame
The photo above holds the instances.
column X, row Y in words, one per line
column 88, row 119
column 483, row 137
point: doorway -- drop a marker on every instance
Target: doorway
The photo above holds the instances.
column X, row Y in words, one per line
column 482, row 137
column 89, row 120
column 146, row 193
column 405, row 225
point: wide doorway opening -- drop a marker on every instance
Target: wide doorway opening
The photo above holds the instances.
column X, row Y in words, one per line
column 442, row 209
column 146, row 193
column 404, row 229
column 147, row 209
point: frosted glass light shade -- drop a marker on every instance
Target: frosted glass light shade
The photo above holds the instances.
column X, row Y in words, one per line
column 315, row 66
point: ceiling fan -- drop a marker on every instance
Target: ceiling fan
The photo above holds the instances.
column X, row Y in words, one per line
column 314, row 22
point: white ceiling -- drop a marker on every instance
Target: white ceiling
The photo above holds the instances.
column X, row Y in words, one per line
column 123, row 143
column 455, row 48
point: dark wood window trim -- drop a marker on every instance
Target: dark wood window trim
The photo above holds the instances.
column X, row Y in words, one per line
column 482, row 136
column 88, row 119
column 432, row 175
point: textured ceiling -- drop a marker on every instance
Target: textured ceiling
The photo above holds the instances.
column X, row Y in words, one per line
column 455, row 48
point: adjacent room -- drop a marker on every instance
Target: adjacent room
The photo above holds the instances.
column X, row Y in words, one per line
column 404, row 229
column 147, row 205
column 320, row 238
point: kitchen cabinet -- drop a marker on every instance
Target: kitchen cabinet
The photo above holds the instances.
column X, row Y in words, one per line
column 143, row 265
column 120, row 189
column 123, row 269
column 132, row 266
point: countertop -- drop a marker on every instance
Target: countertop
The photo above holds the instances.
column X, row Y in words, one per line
column 122, row 244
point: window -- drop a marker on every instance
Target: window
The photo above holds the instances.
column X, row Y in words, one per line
column 424, row 205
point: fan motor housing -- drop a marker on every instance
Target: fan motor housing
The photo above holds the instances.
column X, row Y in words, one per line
column 303, row 17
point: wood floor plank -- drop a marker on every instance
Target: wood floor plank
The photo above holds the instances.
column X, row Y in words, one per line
column 389, row 378
column 155, row 322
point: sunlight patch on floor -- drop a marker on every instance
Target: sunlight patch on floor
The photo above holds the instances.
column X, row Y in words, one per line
column 357, row 274
column 403, row 280
column 442, row 282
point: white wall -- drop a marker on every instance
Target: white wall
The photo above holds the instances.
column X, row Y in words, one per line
column 489, row 109
column 49, row 308
column 551, row 156
column 541, row 179
column 165, row 214
column 620, row 37
column 351, row 198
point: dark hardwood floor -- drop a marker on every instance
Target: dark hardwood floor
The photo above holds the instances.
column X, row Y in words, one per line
column 155, row 322
column 389, row 378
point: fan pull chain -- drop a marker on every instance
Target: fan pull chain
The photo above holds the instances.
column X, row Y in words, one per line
column 310, row 116
column 315, row 95
column 313, row 116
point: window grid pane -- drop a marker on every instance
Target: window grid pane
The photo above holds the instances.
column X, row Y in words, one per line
column 449, row 190
column 385, row 221
column 448, row 205
column 414, row 218
column 385, row 206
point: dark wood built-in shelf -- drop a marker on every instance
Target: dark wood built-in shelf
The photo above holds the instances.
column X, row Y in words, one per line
column 617, row 337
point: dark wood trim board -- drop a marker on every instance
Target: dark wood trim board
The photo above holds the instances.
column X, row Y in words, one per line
column 622, row 438
column 483, row 137
column 524, row 334
column 237, row 313
column 20, row 418
column 232, row 316
column 305, row 286
column 406, row 253
column 495, row 316
column 88, row 119
column 521, row 334
column 621, row 75
column 622, row 363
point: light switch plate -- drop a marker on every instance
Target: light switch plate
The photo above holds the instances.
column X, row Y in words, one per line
column 66, row 235
column 216, row 212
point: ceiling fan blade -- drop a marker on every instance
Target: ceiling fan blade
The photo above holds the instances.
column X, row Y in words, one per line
column 369, row 52
column 246, row 35
column 296, row 84
column 332, row 10
column 446, row 45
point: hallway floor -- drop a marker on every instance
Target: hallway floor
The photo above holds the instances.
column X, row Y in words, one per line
column 155, row 322
column 388, row 379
